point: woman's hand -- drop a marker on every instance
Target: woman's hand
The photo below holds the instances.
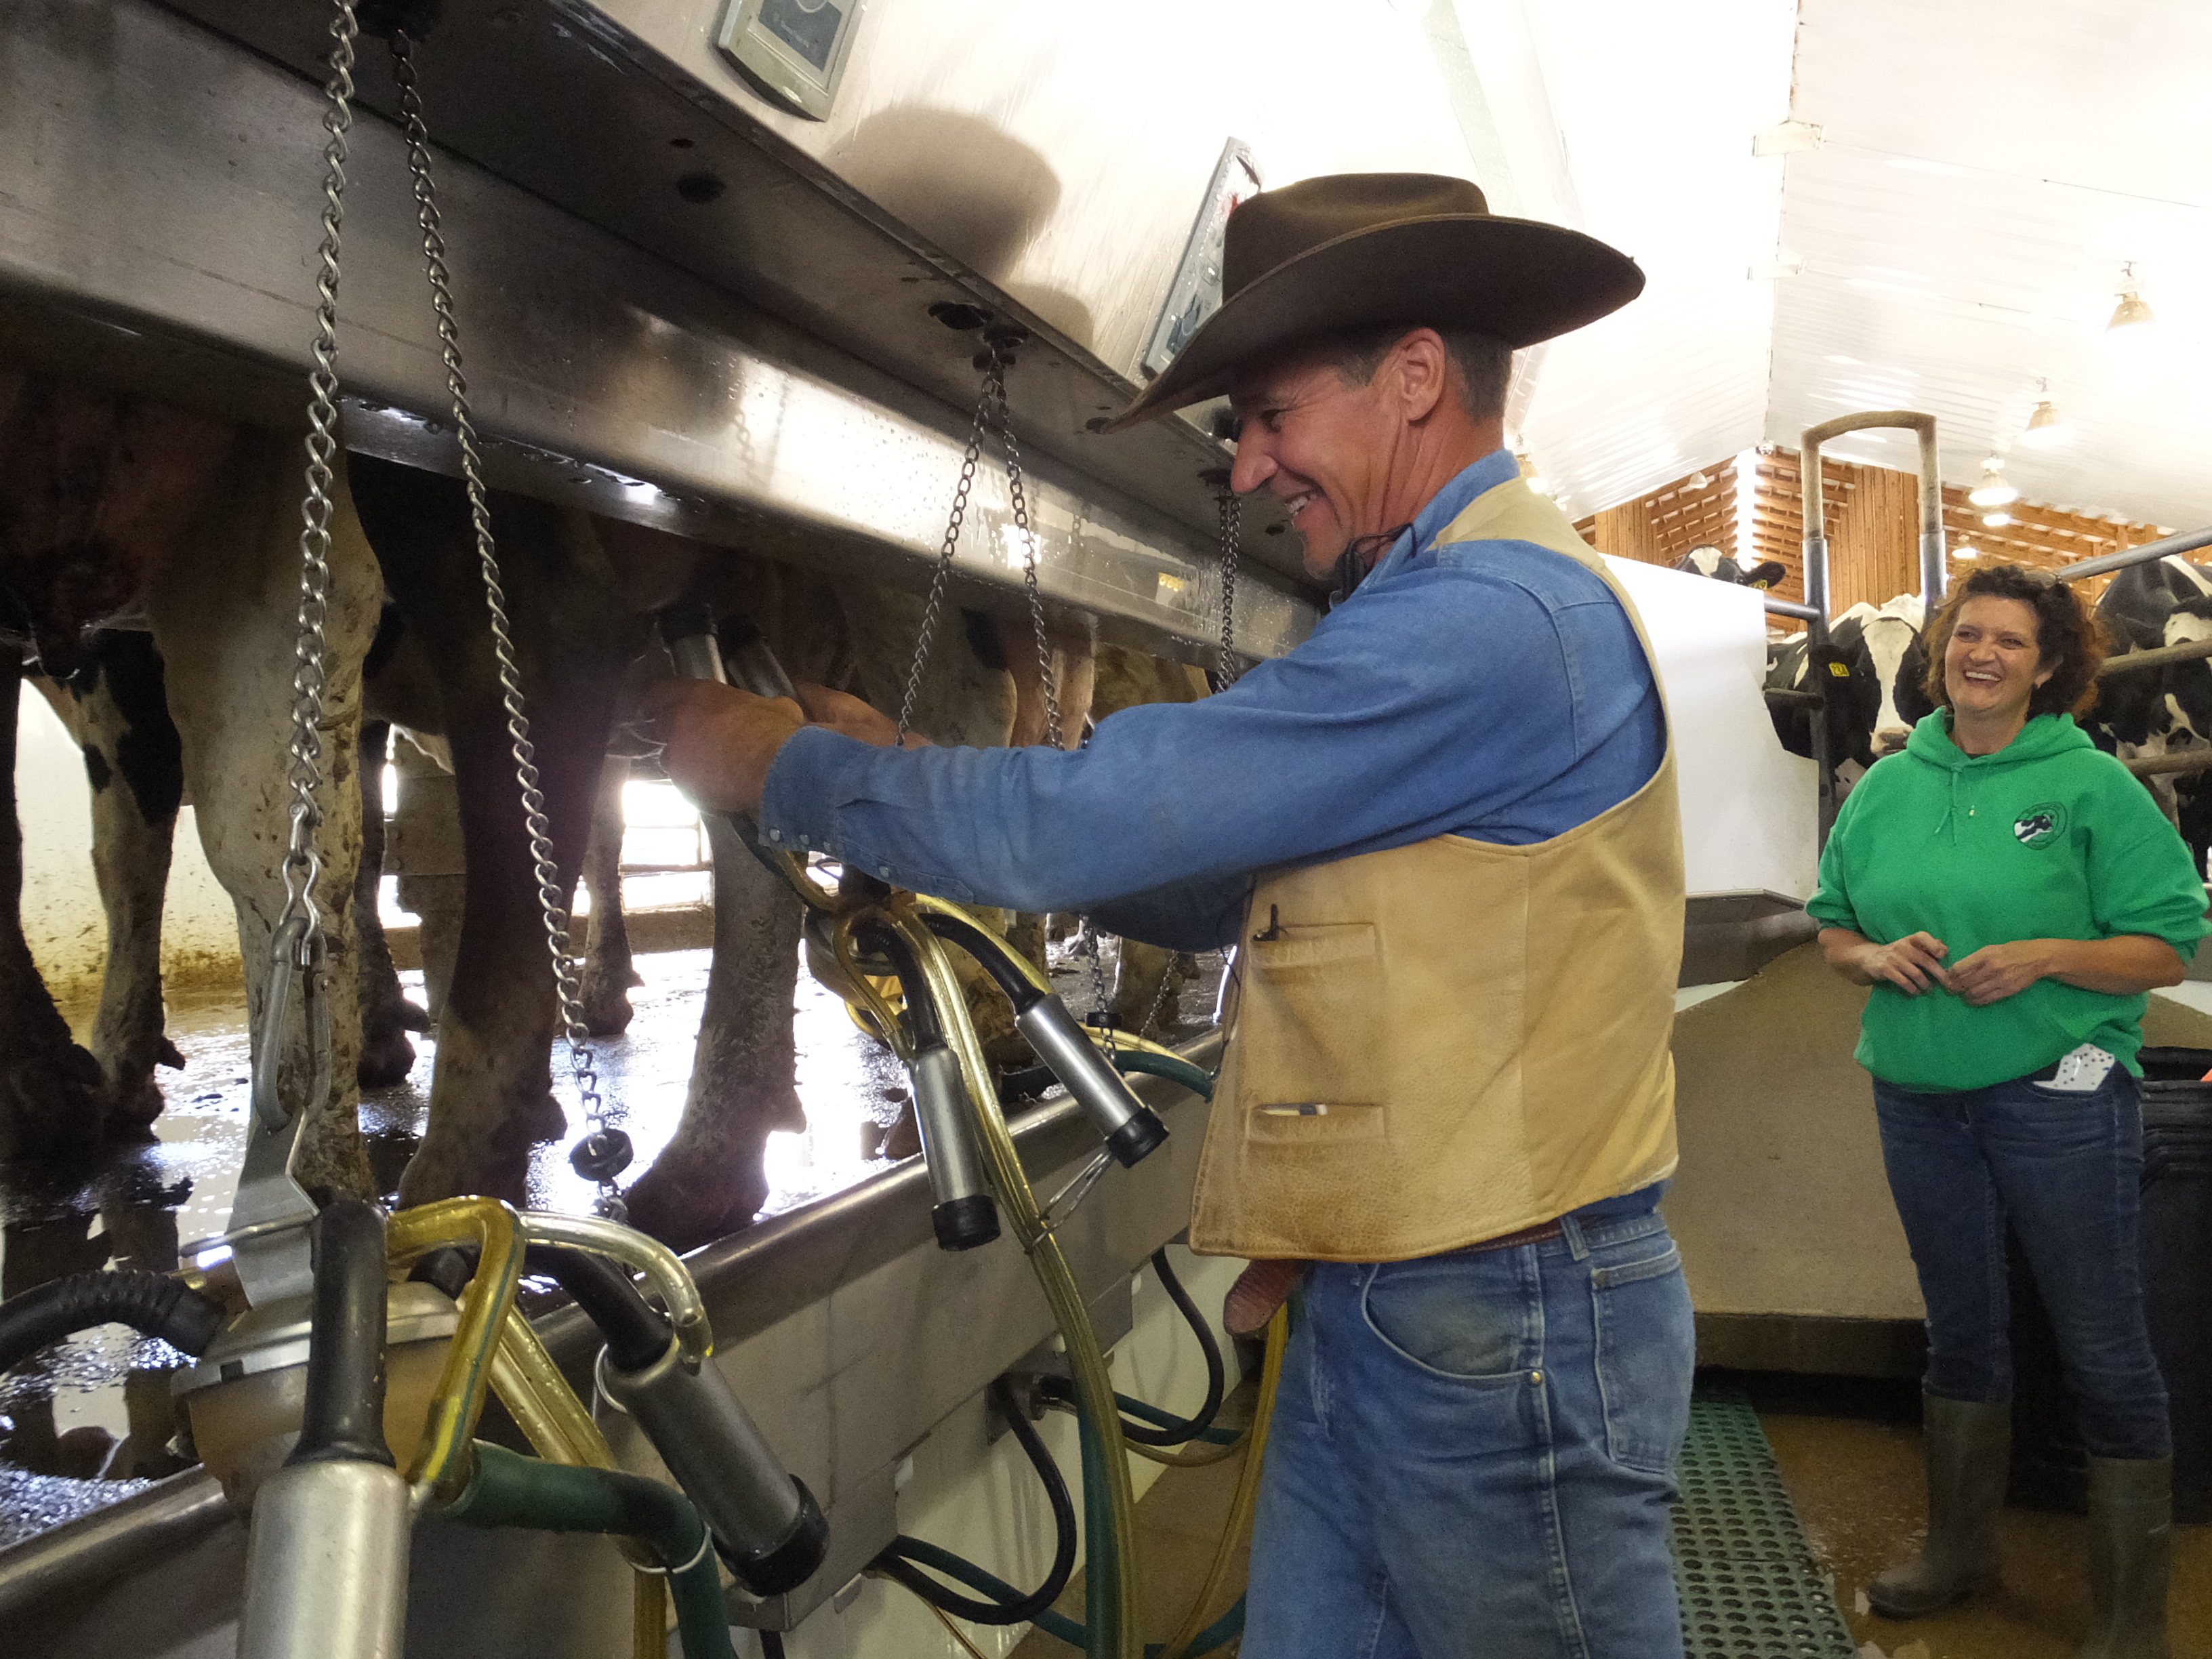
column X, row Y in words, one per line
column 1910, row 964
column 1997, row 971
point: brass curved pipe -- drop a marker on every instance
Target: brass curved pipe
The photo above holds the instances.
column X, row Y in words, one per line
column 1094, row 1387
column 441, row 1462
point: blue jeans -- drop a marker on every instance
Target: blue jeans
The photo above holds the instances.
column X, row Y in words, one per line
column 2067, row 1169
column 1473, row 1455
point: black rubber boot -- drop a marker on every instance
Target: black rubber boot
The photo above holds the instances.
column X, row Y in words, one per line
column 2130, row 1536
column 1969, row 1451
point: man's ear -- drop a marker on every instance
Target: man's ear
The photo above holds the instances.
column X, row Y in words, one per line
column 1423, row 369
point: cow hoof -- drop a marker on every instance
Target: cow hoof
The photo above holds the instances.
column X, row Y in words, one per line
column 51, row 1105
column 128, row 1109
column 607, row 1011
column 167, row 1055
column 543, row 1119
column 688, row 1210
column 386, row 1059
column 414, row 1017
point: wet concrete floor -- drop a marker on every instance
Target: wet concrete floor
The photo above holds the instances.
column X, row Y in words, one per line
column 1850, row 1454
column 89, row 1421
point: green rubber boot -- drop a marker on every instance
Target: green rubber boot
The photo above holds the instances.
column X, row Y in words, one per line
column 1969, row 1452
column 2130, row 1537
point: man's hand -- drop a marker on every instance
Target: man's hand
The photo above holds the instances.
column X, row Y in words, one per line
column 719, row 741
column 1997, row 971
column 843, row 713
column 1910, row 964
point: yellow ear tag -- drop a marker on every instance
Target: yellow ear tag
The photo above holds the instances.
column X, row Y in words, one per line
column 1841, row 670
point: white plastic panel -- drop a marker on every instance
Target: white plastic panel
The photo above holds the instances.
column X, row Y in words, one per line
column 1749, row 819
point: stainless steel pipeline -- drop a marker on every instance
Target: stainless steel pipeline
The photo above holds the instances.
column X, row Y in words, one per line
column 1932, row 557
column 62, row 1564
column 2187, row 541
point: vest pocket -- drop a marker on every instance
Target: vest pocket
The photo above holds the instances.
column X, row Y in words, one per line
column 1309, row 1033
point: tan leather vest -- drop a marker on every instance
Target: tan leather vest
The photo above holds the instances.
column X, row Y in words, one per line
column 1444, row 1043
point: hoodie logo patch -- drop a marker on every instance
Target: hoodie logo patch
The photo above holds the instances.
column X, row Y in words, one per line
column 2039, row 826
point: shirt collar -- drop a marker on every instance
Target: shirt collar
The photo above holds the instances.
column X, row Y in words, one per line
column 1412, row 550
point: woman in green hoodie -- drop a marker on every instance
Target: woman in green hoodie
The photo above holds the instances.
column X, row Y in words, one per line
column 2012, row 894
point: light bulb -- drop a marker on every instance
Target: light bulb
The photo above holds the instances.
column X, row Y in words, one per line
column 2047, row 428
column 1992, row 490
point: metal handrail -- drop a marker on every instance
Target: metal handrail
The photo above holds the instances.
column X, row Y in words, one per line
column 2187, row 542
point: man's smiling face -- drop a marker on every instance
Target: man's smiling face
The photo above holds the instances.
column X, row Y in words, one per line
column 1320, row 446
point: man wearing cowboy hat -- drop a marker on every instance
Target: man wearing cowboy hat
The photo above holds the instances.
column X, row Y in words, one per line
column 1443, row 835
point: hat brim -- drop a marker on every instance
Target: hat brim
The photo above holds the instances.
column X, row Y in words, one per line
column 1518, row 279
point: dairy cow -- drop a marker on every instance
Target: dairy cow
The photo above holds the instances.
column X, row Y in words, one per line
column 114, row 507
column 2164, row 710
column 1711, row 561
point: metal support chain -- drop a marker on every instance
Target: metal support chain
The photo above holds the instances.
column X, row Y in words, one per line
column 604, row 1152
column 303, row 865
column 994, row 389
column 939, row 577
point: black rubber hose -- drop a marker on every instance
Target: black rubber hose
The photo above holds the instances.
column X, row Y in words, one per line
column 636, row 1334
column 893, row 1562
column 1173, row 1430
column 152, row 1303
column 988, row 952
column 922, row 1024
column 342, row 1421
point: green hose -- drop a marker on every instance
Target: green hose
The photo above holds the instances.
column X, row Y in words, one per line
column 510, row 1490
column 1101, row 1611
column 1200, row 1083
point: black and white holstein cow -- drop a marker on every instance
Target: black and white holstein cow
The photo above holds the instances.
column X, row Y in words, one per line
column 2161, row 711
column 1710, row 561
column 113, row 507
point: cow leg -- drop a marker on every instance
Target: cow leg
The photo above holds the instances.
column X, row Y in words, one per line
column 1145, row 984
column 386, row 1016
column 709, row 1179
column 609, row 972
column 224, row 614
column 134, row 761
column 423, row 849
column 490, row 1096
column 50, row 1088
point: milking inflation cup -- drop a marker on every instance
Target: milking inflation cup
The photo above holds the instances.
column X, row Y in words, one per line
column 765, row 1524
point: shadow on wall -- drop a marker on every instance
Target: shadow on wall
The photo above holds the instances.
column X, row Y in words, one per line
column 979, row 193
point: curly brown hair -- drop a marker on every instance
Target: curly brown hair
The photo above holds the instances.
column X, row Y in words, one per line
column 2068, row 636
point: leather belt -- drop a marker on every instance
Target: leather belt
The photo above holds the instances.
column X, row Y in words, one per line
column 1536, row 1235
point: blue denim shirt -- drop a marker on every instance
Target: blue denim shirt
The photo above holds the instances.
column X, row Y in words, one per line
column 1493, row 689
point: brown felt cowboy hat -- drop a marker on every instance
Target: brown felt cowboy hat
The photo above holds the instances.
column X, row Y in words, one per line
column 1356, row 250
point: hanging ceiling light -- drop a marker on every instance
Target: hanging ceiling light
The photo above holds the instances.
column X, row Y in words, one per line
column 2131, row 311
column 1701, row 480
column 1535, row 479
column 1993, row 490
column 2046, row 428
column 1998, row 519
column 1963, row 550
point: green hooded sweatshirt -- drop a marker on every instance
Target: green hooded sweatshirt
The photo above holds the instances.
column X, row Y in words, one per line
column 2048, row 838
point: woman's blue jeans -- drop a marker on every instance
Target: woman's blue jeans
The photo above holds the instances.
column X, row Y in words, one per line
column 1473, row 1455
column 2067, row 1169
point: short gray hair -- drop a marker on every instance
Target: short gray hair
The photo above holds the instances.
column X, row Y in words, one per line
column 1484, row 361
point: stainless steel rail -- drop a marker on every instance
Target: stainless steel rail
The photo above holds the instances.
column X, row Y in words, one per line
column 847, row 1332
column 157, row 189
column 2187, row 541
